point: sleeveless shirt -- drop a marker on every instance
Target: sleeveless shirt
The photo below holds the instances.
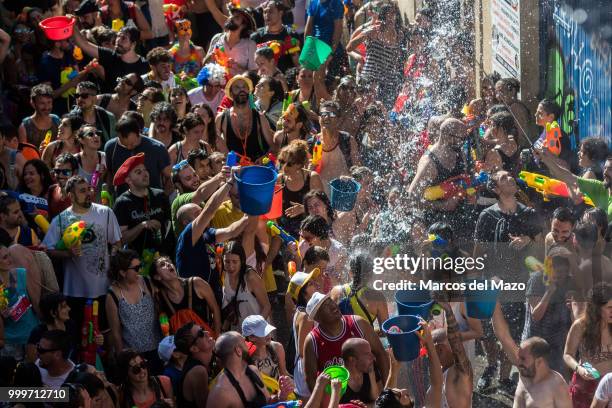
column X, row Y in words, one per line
column 328, row 350
column 256, row 145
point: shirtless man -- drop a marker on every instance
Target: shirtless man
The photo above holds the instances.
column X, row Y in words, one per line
column 458, row 375
column 538, row 386
column 334, row 161
column 240, row 384
column 561, row 230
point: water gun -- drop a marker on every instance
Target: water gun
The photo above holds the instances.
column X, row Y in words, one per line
column 72, row 236
column 117, row 24
column 317, row 155
column 286, row 404
column 148, row 257
column 46, row 140
column 66, row 75
column 548, row 186
column 291, row 268
column 553, row 138
column 90, row 329
column 4, row 298
column 534, row 265
column 461, row 185
column 275, row 230
column 105, row 196
column 232, row 159
column 591, row 370
column 221, row 57
column 270, row 161
column 77, row 54
column 36, row 206
column 164, row 324
column 42, row 223
column 291, row 45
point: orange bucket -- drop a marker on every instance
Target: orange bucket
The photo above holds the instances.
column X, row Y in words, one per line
column 276, row 211
column 57, row 28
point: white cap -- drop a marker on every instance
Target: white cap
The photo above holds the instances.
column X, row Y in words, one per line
column 166, row 348
column 315, row 303
column 256, row 325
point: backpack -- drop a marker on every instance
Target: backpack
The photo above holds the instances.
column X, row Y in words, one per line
column 351, row 305
column 182, row 317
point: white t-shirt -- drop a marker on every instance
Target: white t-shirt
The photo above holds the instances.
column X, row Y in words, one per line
column 167, row 85
column 604, row 390
column 53, row 382
column 86, row 276
column 196, row 96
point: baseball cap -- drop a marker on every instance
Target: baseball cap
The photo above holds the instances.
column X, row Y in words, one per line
column 256, row 325
column 315, row 303
column 166, row 348
column 299, row 280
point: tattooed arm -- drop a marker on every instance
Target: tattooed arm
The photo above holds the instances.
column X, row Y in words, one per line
column 462, row 363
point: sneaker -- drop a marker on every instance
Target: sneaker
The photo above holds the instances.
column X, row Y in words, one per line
column 486, row 378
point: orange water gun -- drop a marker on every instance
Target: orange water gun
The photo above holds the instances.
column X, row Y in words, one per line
column 221, row 57
column 317, row 155
column 553, row 138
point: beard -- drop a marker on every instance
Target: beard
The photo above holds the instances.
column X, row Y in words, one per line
column 85, row 203
column 241, row 99
column 527, row 372
column 231, row 25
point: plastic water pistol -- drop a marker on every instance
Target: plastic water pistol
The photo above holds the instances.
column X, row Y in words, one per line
column 234, row 159
column 105, row 196
column 275, row 230
column 553, row 138
column 459, row 186
column 317, row 155
column 32, row 205
column 164, row 324
column 591, row 370
column 534, row 265
column 291, row 268
column 90, row 329
column 285, row 404
column 221, row 57
column 548, row 186
column 72, row 236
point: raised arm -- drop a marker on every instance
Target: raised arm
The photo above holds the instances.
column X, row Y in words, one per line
column 203, row 219
column 434, row 396
column 500, row 327
column 462, row 362
column 88, row 48
column 217, row 14
column 556, row 169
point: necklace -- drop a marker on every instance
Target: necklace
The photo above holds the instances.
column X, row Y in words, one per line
column 332, row 149
column 242, row 136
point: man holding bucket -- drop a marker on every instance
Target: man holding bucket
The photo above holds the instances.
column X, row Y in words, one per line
column 323, row 346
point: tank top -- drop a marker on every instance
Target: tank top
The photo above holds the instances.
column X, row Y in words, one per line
column 247, row 302
column 292, row 225
column 260, row 398
column 328, row 350
column 137, row 319
column 35, row 135
column 179, row 150
column 180, row 398
column 199, row 306
column 269, row 364
column 299, row 375
column 363, row 394
column 443, row 173
column 18, row 332
column 256, row 145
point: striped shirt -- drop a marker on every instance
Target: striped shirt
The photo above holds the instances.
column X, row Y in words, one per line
column 382, row 63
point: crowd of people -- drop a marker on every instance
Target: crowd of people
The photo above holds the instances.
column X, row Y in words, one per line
column 130, row 275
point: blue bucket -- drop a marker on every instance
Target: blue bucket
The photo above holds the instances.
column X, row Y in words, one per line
column 256, row 189
column 413, row 302
column 343, row 194
column 405, row 345
column 480, row 304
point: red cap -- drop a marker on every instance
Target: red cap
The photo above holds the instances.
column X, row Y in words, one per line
column 126, row 167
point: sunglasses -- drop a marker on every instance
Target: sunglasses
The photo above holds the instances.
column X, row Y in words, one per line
column 41, row 350
column 328, row 114
column 82, row 95
column 63, row 172
column 136, row 369
column 126, row 80
column 180, row 166
column 135, row 268
column 200, row 334
column 92, row 133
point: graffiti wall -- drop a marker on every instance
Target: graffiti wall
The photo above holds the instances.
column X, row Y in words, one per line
column 578, row 77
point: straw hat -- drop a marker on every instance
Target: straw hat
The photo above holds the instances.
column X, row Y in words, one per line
column 235, row 78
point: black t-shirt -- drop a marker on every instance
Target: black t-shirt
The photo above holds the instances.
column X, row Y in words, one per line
column 262, row 35
column 72, row 330
column 362, row 395
column 115, row 67
column 156, row 159
column 131, row 210
column 493, row 231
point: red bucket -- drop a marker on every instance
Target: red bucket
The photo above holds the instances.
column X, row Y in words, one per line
column 57, row 28
column 276, row 211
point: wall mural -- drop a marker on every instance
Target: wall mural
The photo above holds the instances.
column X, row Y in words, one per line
column 578, row 77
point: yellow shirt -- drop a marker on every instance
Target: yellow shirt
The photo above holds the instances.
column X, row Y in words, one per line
column 226, row 215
